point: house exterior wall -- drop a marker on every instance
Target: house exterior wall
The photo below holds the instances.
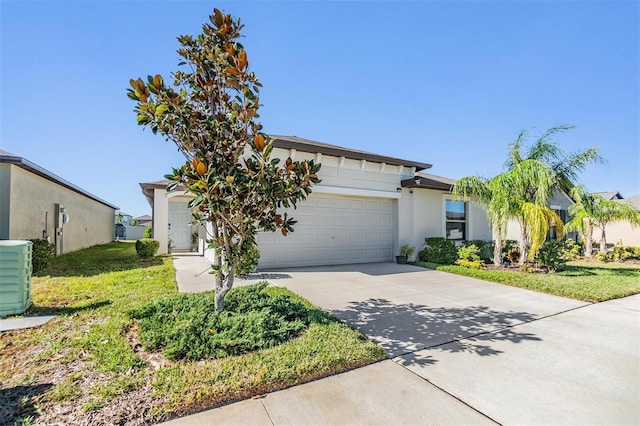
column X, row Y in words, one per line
column 426, row 207
column 32, row 198
column 620, row 231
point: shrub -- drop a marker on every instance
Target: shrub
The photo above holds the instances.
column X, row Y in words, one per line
column 485, row 249
column 187, row 326
column 439, row 250
column 620, row 253
column 147, row 247
column 407, row 250
column 147, row 232
column 248, row 261
column 511, row 251
column 41, row 252
column 604, row 257
column 572, row 250
column 468, row 257
column 633, row 253
column 551, row 255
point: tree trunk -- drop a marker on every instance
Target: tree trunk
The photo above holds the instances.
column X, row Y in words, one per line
column 223, row 284
column 603, row 241
column 588, row 240
column 497, row 248
column 523, row 243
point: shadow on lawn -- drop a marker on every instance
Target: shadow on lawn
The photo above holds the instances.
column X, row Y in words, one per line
column 66, row 310
column 403, row 329
column 111, row 257
column 17, row 404
column 585, row 271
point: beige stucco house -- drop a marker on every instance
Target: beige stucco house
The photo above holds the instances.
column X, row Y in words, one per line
column 366, row 207
column 35, row 203
column 621, row 231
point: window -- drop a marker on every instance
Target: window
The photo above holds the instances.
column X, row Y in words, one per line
column 456, row 220
column 553, row 230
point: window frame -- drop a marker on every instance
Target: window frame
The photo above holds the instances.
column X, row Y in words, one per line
column 465, row 221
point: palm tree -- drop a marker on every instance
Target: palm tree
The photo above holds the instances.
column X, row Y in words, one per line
column 583, row 212
column 527, row 188
column 483, row 192
column 594, row 211
column 566, row 166
column 521, row 193
column 523, row 190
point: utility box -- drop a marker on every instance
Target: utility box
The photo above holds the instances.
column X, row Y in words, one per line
column 15, row 277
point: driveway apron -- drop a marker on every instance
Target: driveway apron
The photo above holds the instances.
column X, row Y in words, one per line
column 517, row 356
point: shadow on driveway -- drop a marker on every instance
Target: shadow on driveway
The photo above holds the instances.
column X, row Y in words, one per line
column 407, row 327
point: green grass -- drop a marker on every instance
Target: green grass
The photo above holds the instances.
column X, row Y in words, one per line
column 82, row 367
column 581, row 280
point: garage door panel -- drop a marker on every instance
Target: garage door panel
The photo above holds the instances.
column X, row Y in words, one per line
column 385, row 237
column 356, row 237
column 324, row 220
column 333, row 230
column 356, row 254
column 342, row 220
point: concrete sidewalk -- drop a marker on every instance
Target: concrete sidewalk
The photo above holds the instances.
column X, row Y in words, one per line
column 193, row 274
column 463, row 351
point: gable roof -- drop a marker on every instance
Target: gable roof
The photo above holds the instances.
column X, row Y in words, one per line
column 429, row 181
column 610, row 195
column 307, row 145
column 633, row 202
column 9, row 158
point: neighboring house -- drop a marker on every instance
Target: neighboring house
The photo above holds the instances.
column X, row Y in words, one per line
column 144, row 220
column 129, row 227
column 123, row 218
column 621, row 231
column 610, row 195
column 365, row 208
column 35, row 203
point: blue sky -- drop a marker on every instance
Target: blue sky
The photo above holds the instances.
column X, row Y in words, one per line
column 446, row 83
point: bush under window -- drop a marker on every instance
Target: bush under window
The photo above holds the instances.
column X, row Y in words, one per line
column 439, row 250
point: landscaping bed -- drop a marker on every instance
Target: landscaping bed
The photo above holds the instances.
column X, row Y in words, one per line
column 89, row 364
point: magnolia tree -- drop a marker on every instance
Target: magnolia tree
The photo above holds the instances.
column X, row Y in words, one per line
column 210, row 114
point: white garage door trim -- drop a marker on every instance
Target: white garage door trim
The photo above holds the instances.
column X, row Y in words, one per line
column 332, row 230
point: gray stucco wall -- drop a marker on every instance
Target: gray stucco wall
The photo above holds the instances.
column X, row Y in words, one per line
column 33, row 199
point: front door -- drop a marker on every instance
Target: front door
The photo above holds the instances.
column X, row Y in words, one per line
column 179, row 227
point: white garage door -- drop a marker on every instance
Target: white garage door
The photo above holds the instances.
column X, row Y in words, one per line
column 332, row 230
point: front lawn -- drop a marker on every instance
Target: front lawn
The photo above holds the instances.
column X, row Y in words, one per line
column 87, row 366
column 582, row 280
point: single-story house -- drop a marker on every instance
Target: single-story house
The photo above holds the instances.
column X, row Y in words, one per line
column 621, row 231
column 366, row 207
column 145, row 220
column 35, row 203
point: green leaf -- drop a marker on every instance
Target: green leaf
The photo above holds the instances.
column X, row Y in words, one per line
column 161, row 109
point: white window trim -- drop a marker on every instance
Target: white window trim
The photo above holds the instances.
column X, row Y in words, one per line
column 468, row 220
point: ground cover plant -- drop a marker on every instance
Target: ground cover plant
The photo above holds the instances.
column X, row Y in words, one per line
column 583, row 280
column 88, row 365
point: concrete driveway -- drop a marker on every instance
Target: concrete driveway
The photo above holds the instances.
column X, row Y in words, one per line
column 516, row 356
